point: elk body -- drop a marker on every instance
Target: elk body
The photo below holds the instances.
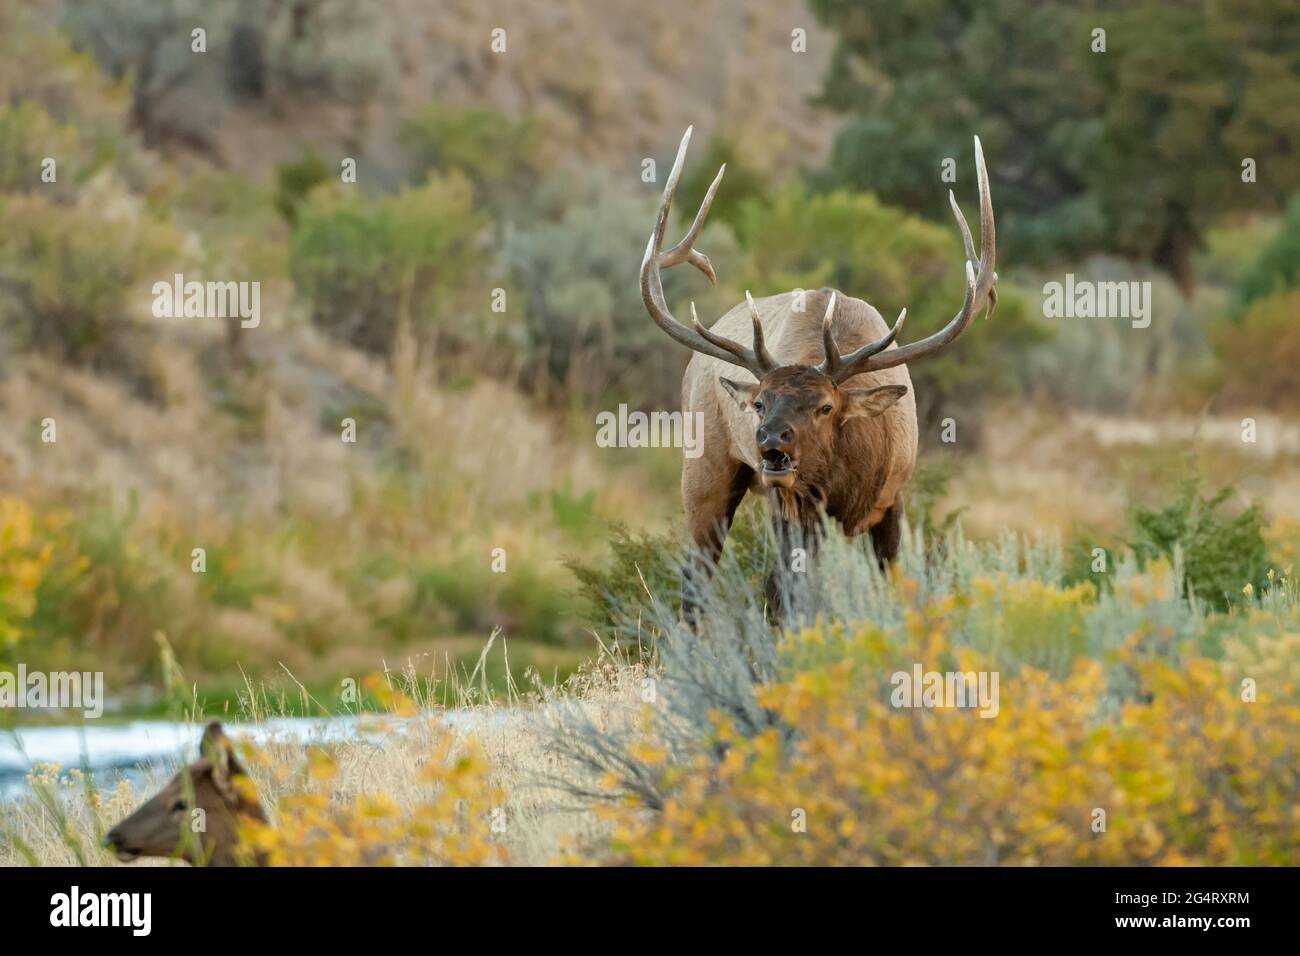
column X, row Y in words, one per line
column 217, row 785
column 788, row 413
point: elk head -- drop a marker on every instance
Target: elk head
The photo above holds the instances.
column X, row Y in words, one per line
column 165, row 826
column 800, row 412
column 801, row 408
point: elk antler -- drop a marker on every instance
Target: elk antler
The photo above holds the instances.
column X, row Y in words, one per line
column 979, row 288
column 697, row 338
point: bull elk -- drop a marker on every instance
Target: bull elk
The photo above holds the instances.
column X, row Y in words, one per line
column 814, row 428
column 215, row 784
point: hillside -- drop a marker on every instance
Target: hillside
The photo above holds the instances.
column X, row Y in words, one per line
column 607, row 83
column 484, row 176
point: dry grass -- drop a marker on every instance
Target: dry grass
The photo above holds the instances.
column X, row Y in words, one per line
column 1045, row 471
column 327, row 537
column 62, row 819
column 190, row 453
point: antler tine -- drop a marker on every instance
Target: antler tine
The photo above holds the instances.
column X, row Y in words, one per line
column 966, row 239
column 834, row 362
column 988, row 234
column 685, row 250
column 760, row 346
column 757, row 361
column 829, row 345
column 697, row 338
column 979, row 289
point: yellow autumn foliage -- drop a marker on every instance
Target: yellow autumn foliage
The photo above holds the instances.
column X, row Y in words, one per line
column 24, row 557
column 1187, row 773
column 454, row 821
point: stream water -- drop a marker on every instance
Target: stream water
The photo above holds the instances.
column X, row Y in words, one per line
column 149, row 748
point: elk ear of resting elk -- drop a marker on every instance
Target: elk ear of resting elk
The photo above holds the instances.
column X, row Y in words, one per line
column 805, row 396
column 171, row 824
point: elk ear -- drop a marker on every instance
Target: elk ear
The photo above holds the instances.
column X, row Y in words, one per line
column 743, row 392
column 217, row 749
column 870, row 402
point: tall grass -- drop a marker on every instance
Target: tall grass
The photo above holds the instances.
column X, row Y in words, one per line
column 424, row 723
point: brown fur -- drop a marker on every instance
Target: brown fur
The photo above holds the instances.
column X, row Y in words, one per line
column 855, row 468
column 215, row 784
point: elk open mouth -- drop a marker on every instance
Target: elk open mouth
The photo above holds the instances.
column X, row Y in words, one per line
column 778, row 468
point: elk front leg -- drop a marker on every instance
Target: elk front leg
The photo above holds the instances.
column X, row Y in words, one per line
column 708, row 519
column 887, row 533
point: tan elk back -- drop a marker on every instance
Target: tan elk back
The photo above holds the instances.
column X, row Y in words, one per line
column 197, row 816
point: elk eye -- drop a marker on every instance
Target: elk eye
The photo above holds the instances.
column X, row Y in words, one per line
column 178, row 806
column 826, row 409
column 758, row 406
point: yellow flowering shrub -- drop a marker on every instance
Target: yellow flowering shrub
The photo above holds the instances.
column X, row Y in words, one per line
column 1261, row 639
column 24, row 558
column 1283, row 538
column 1035, row 621
column 1272, row 661
column 451, row 823
column 1189, row 773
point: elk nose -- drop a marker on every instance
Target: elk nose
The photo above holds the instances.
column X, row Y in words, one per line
column 776, row 437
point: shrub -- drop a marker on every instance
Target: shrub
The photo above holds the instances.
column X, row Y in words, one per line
column 28, row 134
column 327, row 48
column 861, row 783
column 498, row 155
column 463, row 595
column 1283, row 539
column 1220, row 554
column 1080, row 561
column 1107, row 364
column 149, row 44
column 364, row 265
column 25, row 554
column 853, row 242
column 1259, row 356
column 106, row 587
column 639, row 565
column 1277, row 266
column 293, row 181
column 986, row 606
column 642, row 570
column 771, row 747
column 449, row 821
column 1036, row 623
column 1266, row 654
column 587, row 328
column 1259, row 637
column 925, row 492
column 321, row 49
column 68, row 274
